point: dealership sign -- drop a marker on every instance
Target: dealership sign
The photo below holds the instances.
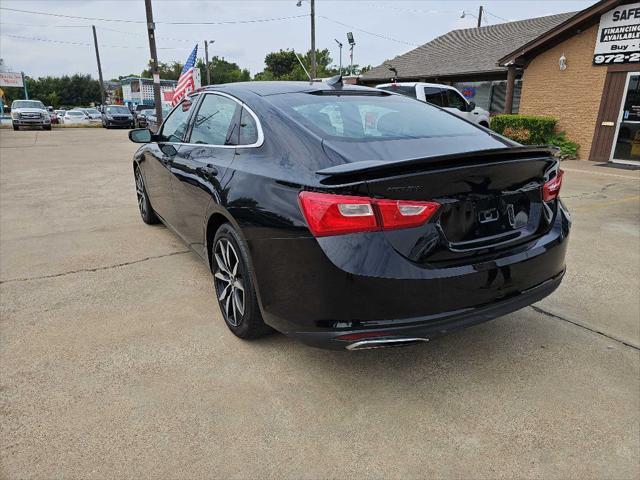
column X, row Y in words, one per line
column 10, row 79
column 619, row 36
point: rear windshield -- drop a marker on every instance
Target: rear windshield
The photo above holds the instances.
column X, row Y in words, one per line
column 117, row 109
column 27, row 104
column 401, row 89
column 374, row 117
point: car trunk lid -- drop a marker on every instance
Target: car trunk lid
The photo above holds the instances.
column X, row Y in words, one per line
column 487, row 198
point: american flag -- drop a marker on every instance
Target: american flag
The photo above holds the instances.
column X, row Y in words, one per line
column 185, row 82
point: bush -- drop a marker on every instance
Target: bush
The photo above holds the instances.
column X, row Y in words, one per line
column 568, row 149
column 525, row 129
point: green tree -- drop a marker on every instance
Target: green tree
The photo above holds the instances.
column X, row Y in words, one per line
column 72, row 91
column 167, row 71
column 283, row 65
column 222, row 71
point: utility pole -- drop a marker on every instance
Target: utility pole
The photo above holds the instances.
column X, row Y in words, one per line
column 313, row 39
column 24, row 85
column 480, row 10
column 95, row 42
column 206, row 59
column 154, row 60
column 340, row 46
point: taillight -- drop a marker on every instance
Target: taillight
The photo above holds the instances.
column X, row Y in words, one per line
column 404, row 214
column 551, row 189
column 329, row 214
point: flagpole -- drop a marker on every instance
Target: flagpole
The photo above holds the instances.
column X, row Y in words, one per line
column 154, row 61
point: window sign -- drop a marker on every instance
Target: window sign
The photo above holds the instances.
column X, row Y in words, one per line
column 619, row 36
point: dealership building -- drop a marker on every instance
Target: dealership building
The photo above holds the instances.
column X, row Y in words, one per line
column 586, row 73
column 583, row 68
column 139, row 91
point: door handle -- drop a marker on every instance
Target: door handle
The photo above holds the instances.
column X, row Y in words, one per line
column 208, row 171
column 165, row 160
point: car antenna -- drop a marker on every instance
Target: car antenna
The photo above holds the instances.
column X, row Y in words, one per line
column 303, row 67
column 335, row 82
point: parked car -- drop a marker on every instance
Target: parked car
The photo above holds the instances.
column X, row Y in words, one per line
column 138, row 110
column 93, row 114
column 53, row 115
column 117, row 116
column 30, row 113
column 443, row 96
column 75, row 117
column 349, row 217
column 152, row 121
column 141, row 117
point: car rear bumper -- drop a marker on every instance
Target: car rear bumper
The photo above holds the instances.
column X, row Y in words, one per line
column 414, row 330
column 319, row 289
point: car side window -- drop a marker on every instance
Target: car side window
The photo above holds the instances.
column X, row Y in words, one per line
column 455, row 100
column 214, row 123
column 176, row 124
column 433, row 95
column 248, row 129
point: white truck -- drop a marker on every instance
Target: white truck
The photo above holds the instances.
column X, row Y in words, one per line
column 443, row 96
column 30, row 113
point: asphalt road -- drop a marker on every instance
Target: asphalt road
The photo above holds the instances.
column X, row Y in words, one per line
column 116, row 363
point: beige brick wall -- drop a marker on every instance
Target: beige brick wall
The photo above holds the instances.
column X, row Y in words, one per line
column 573, row 95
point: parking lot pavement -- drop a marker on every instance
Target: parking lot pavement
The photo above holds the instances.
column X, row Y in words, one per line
column 116, row 363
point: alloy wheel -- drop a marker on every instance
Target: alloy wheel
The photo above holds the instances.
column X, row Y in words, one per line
column 229, row 281
column 140, row 192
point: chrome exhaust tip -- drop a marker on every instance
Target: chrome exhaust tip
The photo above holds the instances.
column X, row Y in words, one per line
column 372, row 343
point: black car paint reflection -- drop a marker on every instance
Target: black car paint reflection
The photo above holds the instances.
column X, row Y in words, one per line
column 446, row 274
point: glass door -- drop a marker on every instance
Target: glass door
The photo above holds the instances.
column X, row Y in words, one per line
column 626, row 148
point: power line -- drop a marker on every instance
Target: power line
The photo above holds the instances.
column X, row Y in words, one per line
column 379, row 35
column 59, row 15
column 497, row 16
column 43, row 26
column 236, row 22
column 80, row 44
column 122, row 20
column 99, row 28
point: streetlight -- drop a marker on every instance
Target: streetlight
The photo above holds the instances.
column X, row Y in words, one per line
column 339, row 45
column 313, row 35
column 479, row 17
column 352, row 44
column 206, row 59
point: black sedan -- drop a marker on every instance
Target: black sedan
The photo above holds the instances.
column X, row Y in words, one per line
column 117, row 116
column 349, row 217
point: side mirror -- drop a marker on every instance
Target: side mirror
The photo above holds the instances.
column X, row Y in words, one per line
column 472, row 106
column 140, row 135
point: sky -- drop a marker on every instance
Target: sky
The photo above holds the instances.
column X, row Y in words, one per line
column 43, row 45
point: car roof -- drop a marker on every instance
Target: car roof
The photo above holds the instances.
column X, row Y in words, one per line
column 413, row 84
column 277, row 87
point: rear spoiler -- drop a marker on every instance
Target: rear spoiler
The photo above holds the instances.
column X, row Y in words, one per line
column 442, row 161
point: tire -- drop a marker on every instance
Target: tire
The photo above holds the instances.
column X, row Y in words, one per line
column 233, row 284
column 144, row 205
column 16, row 127
column 47, row 127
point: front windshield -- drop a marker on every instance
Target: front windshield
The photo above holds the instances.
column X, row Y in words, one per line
column 75, row 113
column 118, row 110
column 371, row 116
column 92, row 111
column 27, row 104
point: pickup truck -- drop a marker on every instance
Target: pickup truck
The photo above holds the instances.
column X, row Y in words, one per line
column 443, row 96
column 30, row 113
